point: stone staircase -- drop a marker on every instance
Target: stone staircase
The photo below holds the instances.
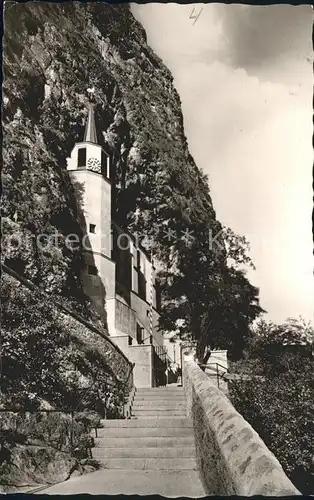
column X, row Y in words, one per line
column 158, row 436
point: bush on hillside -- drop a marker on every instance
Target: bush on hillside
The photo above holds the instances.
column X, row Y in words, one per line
column 280, row 406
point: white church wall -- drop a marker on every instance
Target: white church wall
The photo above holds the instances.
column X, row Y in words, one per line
column 94, row 198
column 142, row 356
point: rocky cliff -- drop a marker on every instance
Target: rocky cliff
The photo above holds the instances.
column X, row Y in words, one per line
column 58, row 51
column 52, row 54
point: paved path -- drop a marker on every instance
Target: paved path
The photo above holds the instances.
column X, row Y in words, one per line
column 151, row 453
column 128, row 482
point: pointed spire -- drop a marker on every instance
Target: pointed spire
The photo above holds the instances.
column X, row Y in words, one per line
column 90, row 129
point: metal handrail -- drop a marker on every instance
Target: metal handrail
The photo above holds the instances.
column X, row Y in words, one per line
column 224, row 375
column 218, row 374
column 215, row 364
column 164, row 351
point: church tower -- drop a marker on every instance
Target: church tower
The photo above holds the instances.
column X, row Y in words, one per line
column 89, row 168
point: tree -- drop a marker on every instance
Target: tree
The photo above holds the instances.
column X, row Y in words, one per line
column 237, row 248
column 280, row 346
column 213, row 299
column 226, row 322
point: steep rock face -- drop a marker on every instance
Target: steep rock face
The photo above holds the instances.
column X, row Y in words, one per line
column 33, row 466
column 26, row 467
column 58, row 52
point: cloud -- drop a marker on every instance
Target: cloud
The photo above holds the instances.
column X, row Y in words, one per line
column 262, row 36
column 246, row 92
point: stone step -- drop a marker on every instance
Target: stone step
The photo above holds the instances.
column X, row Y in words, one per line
column 166, row 395
column 152, row 452
column 159, row 410
column 145, row 442
column 149, row 463
column 159, row 413
column 159, row 400
column 152, row 413
column 159, row 404
column 171, row 387
column 157, row 397
column 149, row 395
column 145, row 431
column 159, row 407
column 166, row 422
column 142, row 483
column 162, row 416
column 159, row 390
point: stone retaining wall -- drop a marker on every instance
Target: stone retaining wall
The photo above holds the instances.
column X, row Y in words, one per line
column 232, row 458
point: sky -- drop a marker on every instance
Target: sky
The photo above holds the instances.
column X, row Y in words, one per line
column 244, row 76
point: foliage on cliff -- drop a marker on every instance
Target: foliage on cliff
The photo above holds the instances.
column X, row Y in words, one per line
column 43, row 363
column 58, row 52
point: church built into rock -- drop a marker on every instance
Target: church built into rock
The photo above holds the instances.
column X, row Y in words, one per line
column 119, row 276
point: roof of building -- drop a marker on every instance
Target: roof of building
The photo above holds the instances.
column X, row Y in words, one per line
column 90, row 128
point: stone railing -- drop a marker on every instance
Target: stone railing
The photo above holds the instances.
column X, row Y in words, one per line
column 232, row 458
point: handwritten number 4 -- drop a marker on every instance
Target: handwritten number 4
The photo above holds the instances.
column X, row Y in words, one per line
column 195, row 16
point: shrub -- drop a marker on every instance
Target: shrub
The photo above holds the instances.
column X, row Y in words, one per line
column 280, row 408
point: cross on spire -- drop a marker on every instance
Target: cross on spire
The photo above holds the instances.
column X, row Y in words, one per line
column 90, row 128
column 91, row 92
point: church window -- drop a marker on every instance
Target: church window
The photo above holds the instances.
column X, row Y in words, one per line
column 140, row 277
column 104, row 164
column 141, row 285
column 81, row 158
column 158, row 295
column 139, row 334
column 92, row 228
column 92, row 270
column 138, row 263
